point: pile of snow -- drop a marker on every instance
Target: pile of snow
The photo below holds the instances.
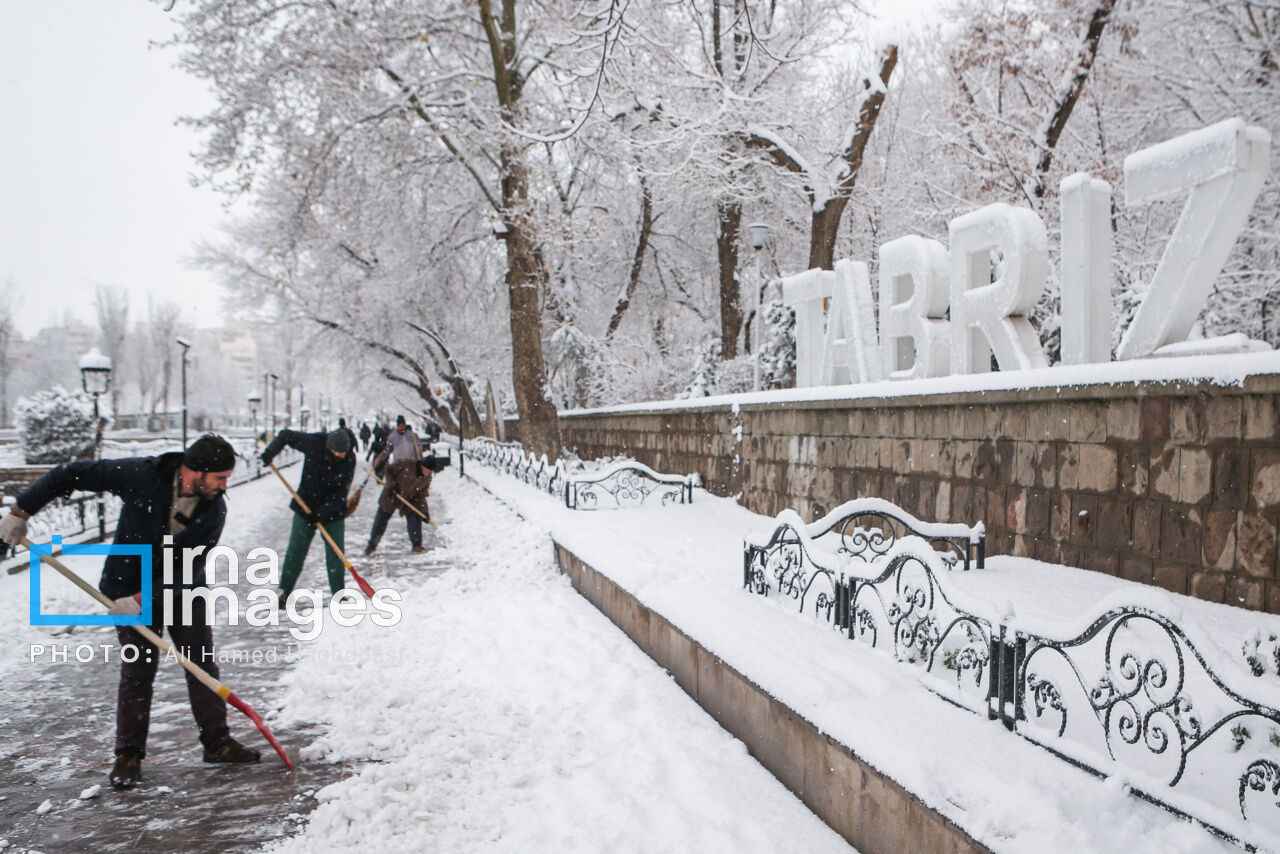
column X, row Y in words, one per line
column 507, row 714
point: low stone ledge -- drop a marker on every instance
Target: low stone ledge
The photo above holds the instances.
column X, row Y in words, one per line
column 871, row 811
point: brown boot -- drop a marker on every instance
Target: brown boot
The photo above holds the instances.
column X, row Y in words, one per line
column 127, row 771
column 231, row 752
column 417, row 550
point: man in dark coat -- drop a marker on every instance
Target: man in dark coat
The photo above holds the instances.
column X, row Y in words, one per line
column 365, row 434
column 380, row 433
column 404, row 478
column 178, row 495
column 329, row 463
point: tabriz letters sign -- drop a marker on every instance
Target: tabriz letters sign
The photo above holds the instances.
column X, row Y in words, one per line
column 943, row 311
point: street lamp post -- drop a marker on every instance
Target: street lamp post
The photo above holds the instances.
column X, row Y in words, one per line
column 273, row 404
column 185, row 345
column 757, row 232
column 95, row 379
column 254, row 403
column 305, row 412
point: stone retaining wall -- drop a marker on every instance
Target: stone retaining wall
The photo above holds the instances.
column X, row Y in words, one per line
column 870, row 810
column 1174, row 484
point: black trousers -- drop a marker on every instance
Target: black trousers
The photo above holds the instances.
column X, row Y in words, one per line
column 133, row 704
column 382, row 517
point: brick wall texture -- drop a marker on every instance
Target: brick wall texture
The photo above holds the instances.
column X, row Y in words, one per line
column 1171, row 484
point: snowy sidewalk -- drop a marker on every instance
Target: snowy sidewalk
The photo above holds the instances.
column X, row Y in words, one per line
column 685, row 564
column 505, row 714
column 57, row 718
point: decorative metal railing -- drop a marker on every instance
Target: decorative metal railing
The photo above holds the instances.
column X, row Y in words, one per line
column 1128, row 693
column 626, row 484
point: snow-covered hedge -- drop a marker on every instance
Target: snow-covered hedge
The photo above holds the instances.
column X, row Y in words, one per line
column 55, row 426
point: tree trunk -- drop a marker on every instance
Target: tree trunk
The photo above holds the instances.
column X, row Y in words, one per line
column 826, row 221
column 825, row 224
column 824, row 228
column 637, row 260
column 539, row 421
column 729, row 221
column 526, row 269
column 1086, row 54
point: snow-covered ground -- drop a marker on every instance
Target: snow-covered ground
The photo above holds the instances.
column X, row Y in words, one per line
column 685, row 563
column 504, row 713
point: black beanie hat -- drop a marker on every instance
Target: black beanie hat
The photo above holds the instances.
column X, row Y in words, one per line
column 338, row 441
column 209, row 453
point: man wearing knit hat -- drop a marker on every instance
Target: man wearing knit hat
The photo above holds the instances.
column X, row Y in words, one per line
column 177, row 495
column 329, row 463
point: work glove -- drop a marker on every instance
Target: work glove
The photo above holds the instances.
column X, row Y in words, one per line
column 13, row 528
column 266, row 458
column 353, row 500
column 125, row 606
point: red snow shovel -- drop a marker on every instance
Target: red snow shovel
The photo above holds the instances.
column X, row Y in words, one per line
column 194, row 669
column 364, row 585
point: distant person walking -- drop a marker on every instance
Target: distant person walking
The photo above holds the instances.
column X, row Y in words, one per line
column 380, row 433
column 365, row 435
column 329, row 463
column 355, row 444
column 179, row 495
column 405, row 478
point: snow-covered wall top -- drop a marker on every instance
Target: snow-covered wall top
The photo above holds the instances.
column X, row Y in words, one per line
column 1221, row 370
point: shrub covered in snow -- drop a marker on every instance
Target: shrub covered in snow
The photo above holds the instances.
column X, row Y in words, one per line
column 55, row 426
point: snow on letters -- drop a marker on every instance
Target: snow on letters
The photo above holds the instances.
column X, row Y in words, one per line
column 850, row 353
column 997, row 267
column 915, row 338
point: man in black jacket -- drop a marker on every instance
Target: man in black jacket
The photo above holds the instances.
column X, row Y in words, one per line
column 329, row 463
column 380, row 433
column 178, row 495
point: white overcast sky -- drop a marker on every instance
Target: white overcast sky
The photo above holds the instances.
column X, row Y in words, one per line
column 94, row 174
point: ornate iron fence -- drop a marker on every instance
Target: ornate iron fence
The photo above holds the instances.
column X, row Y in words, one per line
column 626, row 484
column 1128, row 693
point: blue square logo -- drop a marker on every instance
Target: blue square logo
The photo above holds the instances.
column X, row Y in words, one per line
column 39, row 619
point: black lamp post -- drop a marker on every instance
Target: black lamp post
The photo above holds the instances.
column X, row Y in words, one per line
column 185, row 345
column 273, row 404
column 254, row 403
column 95, row 379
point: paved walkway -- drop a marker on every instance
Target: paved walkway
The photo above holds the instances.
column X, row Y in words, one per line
column 57, row 723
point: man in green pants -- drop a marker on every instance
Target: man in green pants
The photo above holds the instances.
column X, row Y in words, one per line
column 328, row 465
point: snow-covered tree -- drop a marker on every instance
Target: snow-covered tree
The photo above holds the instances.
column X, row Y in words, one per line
column 111, row 303
column 55, row 426
column 8, row 336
